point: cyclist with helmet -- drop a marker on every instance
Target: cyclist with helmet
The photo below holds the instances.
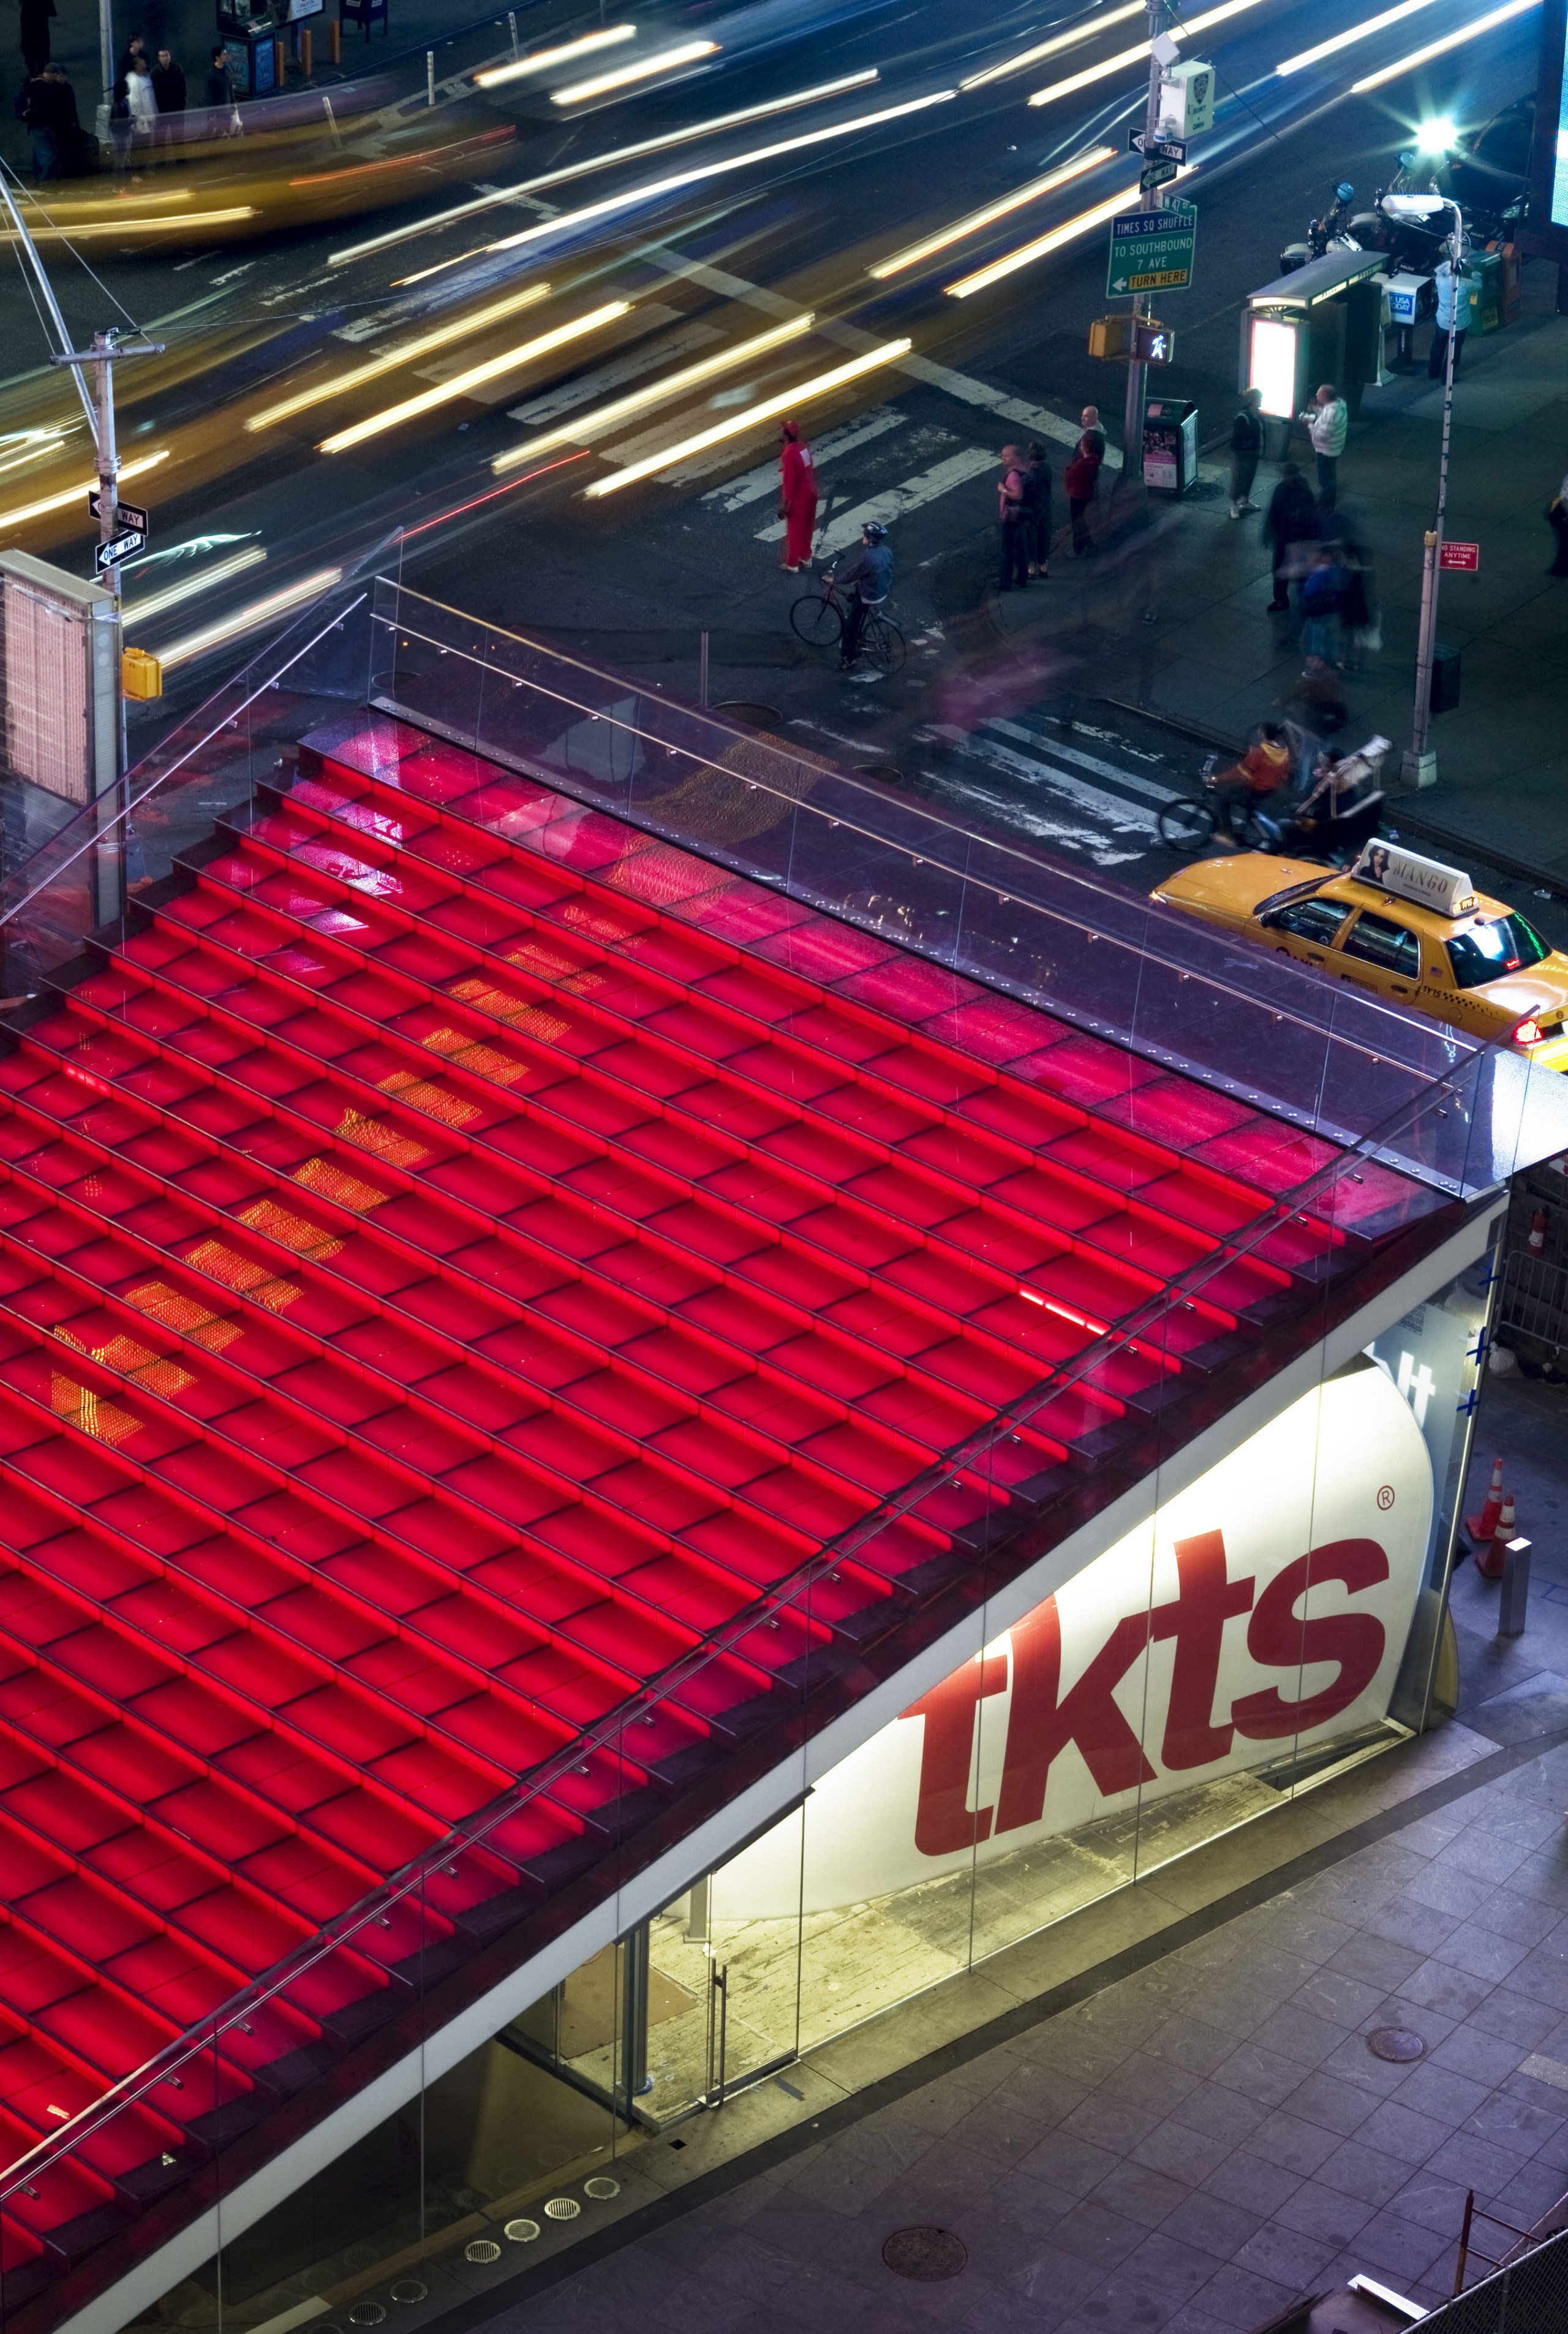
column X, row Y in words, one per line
column 866, row 578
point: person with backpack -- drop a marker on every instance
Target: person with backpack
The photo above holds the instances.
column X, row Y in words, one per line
column 1037, row 510
column 1247, row 434
column 1013, row 520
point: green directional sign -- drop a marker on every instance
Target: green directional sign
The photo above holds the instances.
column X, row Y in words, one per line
column 1152, row 251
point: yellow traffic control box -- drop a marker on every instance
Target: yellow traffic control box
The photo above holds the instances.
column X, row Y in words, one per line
column 140, row 675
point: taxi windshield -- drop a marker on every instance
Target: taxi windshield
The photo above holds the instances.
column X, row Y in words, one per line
column 1488, row 950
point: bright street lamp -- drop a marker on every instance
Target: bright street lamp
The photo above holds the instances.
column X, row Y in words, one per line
column 1436, row 137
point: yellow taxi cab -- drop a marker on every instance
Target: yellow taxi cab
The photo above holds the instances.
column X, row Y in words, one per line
column 1410, row 929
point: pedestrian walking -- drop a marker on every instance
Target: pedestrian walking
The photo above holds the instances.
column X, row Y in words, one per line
column 1455, row 302
column 51, row 123
column 1328, row 419
column 219, row 93
column 1013, row 520
column 797, row 500
column 1290, row 521
column 1247, row 432
column 1557, row 520
column 1081, row 477
column 33, row 31
column 867, row 576
column 1321, row 600
column 1037, row 510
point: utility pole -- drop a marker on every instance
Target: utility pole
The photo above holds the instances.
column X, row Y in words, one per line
column 1421, row 764
column 1149, row 200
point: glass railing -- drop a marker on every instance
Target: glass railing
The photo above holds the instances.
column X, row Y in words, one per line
column 1357, row 1090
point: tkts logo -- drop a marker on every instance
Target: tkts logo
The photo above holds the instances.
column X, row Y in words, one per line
column 1043, row 1720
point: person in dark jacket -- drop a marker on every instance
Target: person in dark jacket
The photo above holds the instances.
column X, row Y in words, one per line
column 1246, row 446
column 1013, row 520
column 33, row 33
column 864, row 580
column 1290, row 521
column 1081, row 477
column 1037, row 510
column 51, row 123
column 168, row 96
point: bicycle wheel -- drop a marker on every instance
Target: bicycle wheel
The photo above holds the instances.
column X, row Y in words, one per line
column 883, row 643
column 1186, row 824
column 817, row 620
column 1260, row 833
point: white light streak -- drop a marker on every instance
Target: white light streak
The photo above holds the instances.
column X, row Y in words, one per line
column 1356, row 33
column 1119, row 64
column 543, row 60
column 1438, row 48
column 246, row 620
column 78, row 493
column 462, row 383
column 141, row 611
column 666, row 61
column 404, row 354
column 976, row 220
column 1097, row 24
column 1042, row 247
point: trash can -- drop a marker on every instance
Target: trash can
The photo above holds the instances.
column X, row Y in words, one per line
column 1170, row 444
column 1484, row 270
column 1445, row 678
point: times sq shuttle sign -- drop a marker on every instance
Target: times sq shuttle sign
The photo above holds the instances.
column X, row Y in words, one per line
column 1267, row 1605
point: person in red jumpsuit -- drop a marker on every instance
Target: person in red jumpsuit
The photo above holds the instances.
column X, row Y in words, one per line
column 797, row 498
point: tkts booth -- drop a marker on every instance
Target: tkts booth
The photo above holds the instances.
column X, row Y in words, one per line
column 642, row 1413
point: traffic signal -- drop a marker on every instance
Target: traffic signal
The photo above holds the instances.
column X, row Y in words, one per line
column 1129, row 337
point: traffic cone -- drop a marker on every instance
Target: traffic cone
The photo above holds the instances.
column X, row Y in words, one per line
column 1489, row 1560
column 1484, row 1526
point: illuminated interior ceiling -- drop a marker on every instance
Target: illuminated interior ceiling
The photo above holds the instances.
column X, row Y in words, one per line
column 459, row 1252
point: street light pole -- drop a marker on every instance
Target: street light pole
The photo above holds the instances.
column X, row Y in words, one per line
column 1149, row 200
column 1419, row 767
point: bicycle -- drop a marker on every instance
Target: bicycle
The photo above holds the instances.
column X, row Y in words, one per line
column 818, row 618
column 1195, row 820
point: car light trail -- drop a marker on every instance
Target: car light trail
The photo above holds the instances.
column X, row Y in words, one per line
column 542, row 59
column 244, row 620
column 1356, row 33
column 688, row 53
column 1119, row 64
column 914, row 252
column 141, row 611
column 42, row 443
column 74, row 494
column 1438, row 48
column 188, row 223
column 803, row 393
column 565, row 221
column 1042, row 245
column 461, row 383
column 460, row 510
column 404, row 354
column 589, row 425
column 595, row 162
column 1100, row 23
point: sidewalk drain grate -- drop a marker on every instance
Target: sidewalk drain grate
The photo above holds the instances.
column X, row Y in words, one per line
column 482, row 2250
column 563, row 2208
column 601, row 2187
column 1396, row 2042
column 367, row 2313
column 410, row 2289
column 522, row 2232
column 926, row 2254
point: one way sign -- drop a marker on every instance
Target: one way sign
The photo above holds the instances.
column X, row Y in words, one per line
column 123, row 546
column 127, row 514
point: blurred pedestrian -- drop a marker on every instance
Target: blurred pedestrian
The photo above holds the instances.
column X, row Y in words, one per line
column 141, row 106
column 1320, row 599
column 1013, row 520
column 1246, row 446
column 219, row 93
column 1557, row 520
column 1360, row 628
column 1328, row 419
column 1037, row 510
column 1081, row 477
column 1292, row 520
column 1454, row 306
column 135, row 55
column 34, row 34
column 797, row 500
column 51, row 123
column 1263, row 770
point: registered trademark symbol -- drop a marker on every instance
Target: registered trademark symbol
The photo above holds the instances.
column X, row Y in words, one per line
column 1386, row 1496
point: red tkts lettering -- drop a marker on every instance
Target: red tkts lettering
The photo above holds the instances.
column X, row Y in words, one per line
column 1042, row 1721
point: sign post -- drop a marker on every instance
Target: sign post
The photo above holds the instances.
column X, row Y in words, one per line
column 1133, row 411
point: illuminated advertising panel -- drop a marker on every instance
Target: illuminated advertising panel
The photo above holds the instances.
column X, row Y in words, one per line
column 1271, row 366
column 1547, row 233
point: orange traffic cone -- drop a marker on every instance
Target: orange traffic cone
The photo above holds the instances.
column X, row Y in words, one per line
column 1484, row 1526
column 1489, row 1560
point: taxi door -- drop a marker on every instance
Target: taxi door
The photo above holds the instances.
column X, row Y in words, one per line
column 1380, row 953
column 1307, row 928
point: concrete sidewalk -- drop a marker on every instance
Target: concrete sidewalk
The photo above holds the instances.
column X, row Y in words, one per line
column 1183, row 2137
column 1214, row 656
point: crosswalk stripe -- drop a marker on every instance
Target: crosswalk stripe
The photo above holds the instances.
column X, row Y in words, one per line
column 752, row 484
column 1122, row 817
column 969, row 391
column 895, row 502
column 1113, row 770
column 611, row 376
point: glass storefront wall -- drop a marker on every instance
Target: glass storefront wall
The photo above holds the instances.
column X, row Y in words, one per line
column 1273, row 1623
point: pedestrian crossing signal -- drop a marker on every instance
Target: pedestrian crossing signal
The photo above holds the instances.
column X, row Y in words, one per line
column 1142, row 338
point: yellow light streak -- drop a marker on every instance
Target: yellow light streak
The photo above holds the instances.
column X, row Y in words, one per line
column 75, row 494
column 542, row 59
column 141, row 611
column 666, row 61
column 595, row 162
column 976, row 220
column 244, row 620
column 1187, row 32
column 1438, row 48
column 405, row 354
column 1098, row 24
column 1356, row 33
column 462, row 383
column 189, row 220
column 1042, row 247
column 804, row 393
column 567, row 219
column 38, row 452
column 589, row 425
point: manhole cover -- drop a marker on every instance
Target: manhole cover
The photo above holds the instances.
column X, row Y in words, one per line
column 928, row 2254
column 410, row 2289
column 1396, row 2042
column 367, row 2313
column 481, row 2250
column 563, row 2208
column 522, row 2233
column 601, row 2186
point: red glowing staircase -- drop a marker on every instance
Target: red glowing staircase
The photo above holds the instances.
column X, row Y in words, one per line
column 458, row 1254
